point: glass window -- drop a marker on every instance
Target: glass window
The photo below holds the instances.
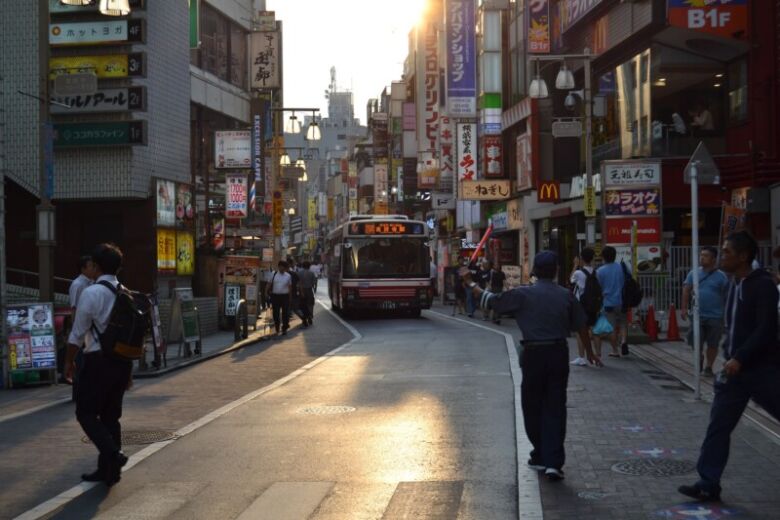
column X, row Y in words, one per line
column 738, row 103
column 238, row 56
column 214, row 42
column 386, row 258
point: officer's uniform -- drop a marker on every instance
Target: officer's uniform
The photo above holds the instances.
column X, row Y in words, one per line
column 546, row 314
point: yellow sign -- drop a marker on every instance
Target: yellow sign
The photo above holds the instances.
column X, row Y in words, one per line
column 353, row 206
column 380, row 208
column 108, row 66
column 166, row 250
column 185, row 253
column 590, row 202
column 331, row 210
column 484, row 190
column 312, row 213
column 278, row 209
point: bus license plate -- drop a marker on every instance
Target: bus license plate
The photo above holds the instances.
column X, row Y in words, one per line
column 389, row 305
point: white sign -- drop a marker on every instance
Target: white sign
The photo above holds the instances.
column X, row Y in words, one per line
column 649, row 259
column 578, row 185
column 514, row 214
column 232, row 296
column 442, row 200
column 466, row 152
column 567, row 129
column 427, row 87
column 631, row 173
column 233, row 149
column 235, row 196
column 92, row 33
column 76, row 84
column 265, row 60
column 103, row 100
column 380, row 183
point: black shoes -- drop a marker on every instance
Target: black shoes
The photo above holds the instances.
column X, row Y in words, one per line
column 553, row 474
column 110, row 473
column 536, row 465
column 624, row 349
column 95, row 476
column 702, row 495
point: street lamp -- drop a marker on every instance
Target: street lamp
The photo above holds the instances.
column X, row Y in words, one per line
column 115, row 7
column 565, row 79
column 284, row 160
column 77, row 2
column 313, row 133
column 292, row 125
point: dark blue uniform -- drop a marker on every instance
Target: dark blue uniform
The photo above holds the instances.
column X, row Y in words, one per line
column 546, row 314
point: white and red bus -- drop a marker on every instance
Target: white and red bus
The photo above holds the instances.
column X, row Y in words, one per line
column 380, row 262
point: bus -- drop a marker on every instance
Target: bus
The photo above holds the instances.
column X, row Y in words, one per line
column 380, row 262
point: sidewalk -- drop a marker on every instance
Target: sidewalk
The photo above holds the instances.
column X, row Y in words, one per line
column 27, row 399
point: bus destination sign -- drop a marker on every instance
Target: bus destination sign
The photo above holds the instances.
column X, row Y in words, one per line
column 385, row 228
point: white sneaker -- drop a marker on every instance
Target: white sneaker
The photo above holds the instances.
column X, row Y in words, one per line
column 579, row 362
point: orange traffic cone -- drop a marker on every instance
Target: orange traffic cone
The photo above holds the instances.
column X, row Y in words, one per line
column 651, row 327
column 673, row 333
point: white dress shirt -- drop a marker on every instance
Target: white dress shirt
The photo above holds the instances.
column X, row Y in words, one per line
column 94, row 306
column 281, row 283
column 76, row 287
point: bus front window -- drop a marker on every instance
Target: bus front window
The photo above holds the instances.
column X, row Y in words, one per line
column 386, row 258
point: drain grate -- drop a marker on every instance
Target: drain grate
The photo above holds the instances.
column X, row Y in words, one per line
column 135, row 437
column 654, row 467
column 326, row 410
column 677, row 387
column 662, row 377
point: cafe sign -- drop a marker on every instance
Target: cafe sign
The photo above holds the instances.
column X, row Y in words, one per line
column 96, row 33
column 113, row 133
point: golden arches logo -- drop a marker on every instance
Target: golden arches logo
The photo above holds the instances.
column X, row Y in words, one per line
column 549, row 191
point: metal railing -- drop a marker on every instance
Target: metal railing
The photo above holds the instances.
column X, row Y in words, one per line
column 30, row 279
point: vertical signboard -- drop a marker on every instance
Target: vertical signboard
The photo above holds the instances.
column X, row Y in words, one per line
column 166, row 203
column 466, row 158
column 446, row 154
column 31, row 342
column 524, row 153
column 265, row 55
column 491, row 156
column 380, row 188
column 461, row 57
column 166, row 250
column 277, row 213
column 427, row 87
column 258, row 150
column 194, row 23
column 236, row 196
column 539, row 26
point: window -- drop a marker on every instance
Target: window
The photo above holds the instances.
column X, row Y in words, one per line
column 738, row 103
column 223, row 50
column 238, row 56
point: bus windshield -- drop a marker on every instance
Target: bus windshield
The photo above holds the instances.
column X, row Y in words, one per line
column 386, row 257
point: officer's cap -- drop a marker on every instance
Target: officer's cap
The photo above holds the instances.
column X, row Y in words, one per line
column 545, row 260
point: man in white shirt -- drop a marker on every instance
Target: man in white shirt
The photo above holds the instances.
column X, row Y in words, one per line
column 578, row 280
column 85, row 278
column 280, row 291
column 102, row 379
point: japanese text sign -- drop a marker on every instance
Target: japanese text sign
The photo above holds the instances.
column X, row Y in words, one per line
column 103, row 66
column 31, row 342
column 491, row 156
column 99, row 134
column 549, row 191
column 278, row 209
column 265, row 60
column 539, row 26
column 484, row 190
column 166, row 250
column 619, row 230
column 726, row 18
column 633, row 202
column 185, row 253
column 233, row 149
column 572, row 11
column 446, row 153
column 236, row 196
column 466, row 158
column 524, row 152
column 630, row 173
column 428, row 87
column 105, row 100
column 461, row 57
column 95, row 33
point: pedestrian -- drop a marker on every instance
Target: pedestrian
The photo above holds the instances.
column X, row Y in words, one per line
column 460, row 292
column 434, row 277
column 103, row 380
column 713, row 285
column 588, row 292
column 264, row 276
column 495, row 282
column 85, row 278
column 471, row 305
column 280, row 294
column 482, row 276
column 317, row 270
column 546, row 313
column 295, row 296
column 752, row 353
column 612, row 278
column 306, row 284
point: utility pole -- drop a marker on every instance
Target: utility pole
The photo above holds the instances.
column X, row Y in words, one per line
column 4, row 368
column 590, row 222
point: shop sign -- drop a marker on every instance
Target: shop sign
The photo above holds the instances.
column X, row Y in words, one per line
column 572, row 11
column 185, row 253
column 619, row 230
column 185, row 212
column 56, row 7
column 268, row 254
column 105, row 100
column 549, row 191
column 74, row 84
column 499, row 217
column 235, row 196
column 578, row 185
column 31, row 341
column 466, row 157
column 409, row 120
column 103, row 66
column 296, row 224
column 265, row 55
column 312, row 213
column 733, row 220
column 633, row 202
column 589, row 204
column 241, row 269
column 539, row 26
column 631, row 173
column 218, row 234
column 649, row 259
column 485, row 190
column 723, row 18
column 233, row 149
column 96, row 33
column 461, row 57
column 166, row 250
column 232, row 297
column 380, row 183
column 428, row 87
column 446, row 154
column 120, row 133
column 194, row 22
column 278, row 209
column 491, row 156
column 442, row 200
column 514, row 213
column 165, row 194
column 265, row 21
column 524, row 154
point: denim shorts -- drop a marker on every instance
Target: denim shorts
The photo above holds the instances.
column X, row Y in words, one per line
column 711, row 332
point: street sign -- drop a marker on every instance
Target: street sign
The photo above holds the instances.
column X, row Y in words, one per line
column 124, row 99
column 590, row 202
column 83, row 84
column 567, row 129
column 707, row 171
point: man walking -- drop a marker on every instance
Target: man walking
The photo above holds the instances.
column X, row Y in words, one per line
column 280, row 293
column 495, row 282
column 306, row 283
column 752, row 368
column 546, row 314
column 102, row 379
column 713, row 285
column 85, row 278
column 612, row 279
column 581, row 275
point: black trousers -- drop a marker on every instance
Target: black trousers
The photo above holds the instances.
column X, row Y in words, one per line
column 101, row 387
column 280, row 304
column 307, row 304
column 543, row 397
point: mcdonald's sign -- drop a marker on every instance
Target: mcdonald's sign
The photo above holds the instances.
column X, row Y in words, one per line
column 549, row 191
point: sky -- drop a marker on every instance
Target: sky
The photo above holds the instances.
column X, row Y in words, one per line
column 320, row 34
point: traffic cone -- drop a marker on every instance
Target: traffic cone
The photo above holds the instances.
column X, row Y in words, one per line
column 673, row 333
column 651, row 326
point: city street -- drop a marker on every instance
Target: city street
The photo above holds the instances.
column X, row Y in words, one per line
column 410, row 419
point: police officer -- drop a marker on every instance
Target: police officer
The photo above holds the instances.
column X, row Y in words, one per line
column 546, row 314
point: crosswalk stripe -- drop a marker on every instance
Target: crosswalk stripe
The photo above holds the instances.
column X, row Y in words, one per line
column 425, row 500
column 287, row 500
column 153, row 501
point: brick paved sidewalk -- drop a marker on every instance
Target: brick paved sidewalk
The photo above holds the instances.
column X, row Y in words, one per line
column 631, row 413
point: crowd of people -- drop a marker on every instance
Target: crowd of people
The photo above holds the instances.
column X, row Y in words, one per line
column 290, row 289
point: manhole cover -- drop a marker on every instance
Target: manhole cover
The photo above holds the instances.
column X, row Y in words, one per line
column 654, row 467
column 326, row 410
column 134, row 437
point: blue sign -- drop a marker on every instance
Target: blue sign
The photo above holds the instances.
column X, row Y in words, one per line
column 461, row 57
column 697, row 511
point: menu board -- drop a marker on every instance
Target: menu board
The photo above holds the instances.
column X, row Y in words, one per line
column 31, row 341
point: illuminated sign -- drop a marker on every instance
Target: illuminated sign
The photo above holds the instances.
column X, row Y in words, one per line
column 96, row 33
column 385, row 228
column 103, row 66
column 726, row 18
column 549, row 191
column 619, row 230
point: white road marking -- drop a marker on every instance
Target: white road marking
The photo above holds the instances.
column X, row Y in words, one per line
column 153, row 501
column 287, row 501
column 529, row 498
column 53, row 504
column 30, row 411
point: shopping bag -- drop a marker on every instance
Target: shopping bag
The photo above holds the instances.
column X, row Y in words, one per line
column 602, row 326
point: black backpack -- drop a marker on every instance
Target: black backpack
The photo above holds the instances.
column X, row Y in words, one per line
column 632, row 293
column 128, row 324
column 592, row 297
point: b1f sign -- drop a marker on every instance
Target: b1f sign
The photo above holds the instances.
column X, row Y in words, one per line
column 726, row 18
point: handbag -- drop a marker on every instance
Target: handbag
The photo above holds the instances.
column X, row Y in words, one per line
column 602, row 326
